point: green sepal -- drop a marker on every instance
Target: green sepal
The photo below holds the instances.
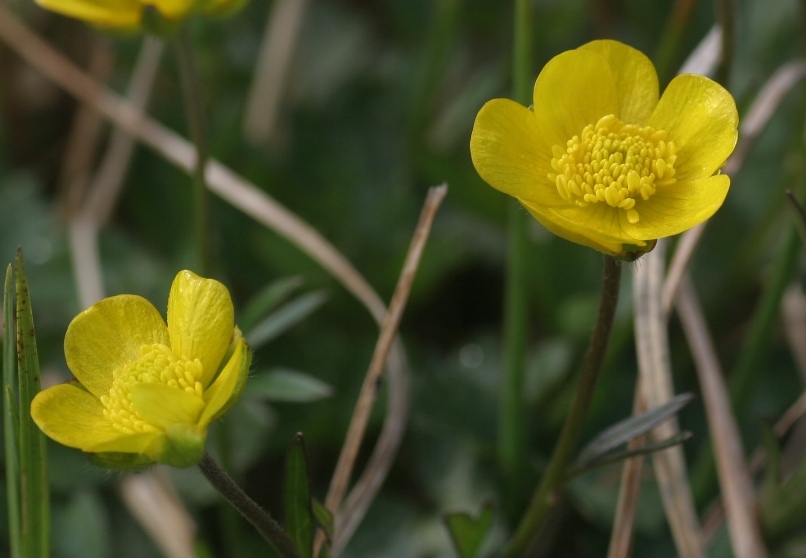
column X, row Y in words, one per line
column 182, row 446
column 119, row 460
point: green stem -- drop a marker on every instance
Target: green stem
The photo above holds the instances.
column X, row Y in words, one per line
column 547, row 493
column 512, row 436
column 254, row 514
column 196, row 124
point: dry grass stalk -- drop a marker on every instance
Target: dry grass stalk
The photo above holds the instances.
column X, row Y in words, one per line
column 734, row 478
column 656, row 377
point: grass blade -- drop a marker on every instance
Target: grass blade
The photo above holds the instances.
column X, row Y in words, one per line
column 299, row 522
column 11, row 419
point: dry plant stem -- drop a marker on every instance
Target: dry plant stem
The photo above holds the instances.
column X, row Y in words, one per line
column 656, row 378
column 548, row 491
column 621, row 541
column 369, row 389
column 191, row 89
column 734, row 478
column 272, row 69
column 268, row 528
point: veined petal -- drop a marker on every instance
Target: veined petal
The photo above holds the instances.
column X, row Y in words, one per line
column 164, row 406
column 201, row 321
column 635, row 78
column 510, row 154
column 227, row 387
column 597, row 228
column 72, row 416
column 572, row 91
column 108, row 335
column 106, row 13
column 673, row 210
column 700, row 117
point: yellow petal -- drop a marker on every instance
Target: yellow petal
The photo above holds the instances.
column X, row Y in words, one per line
column 72, row 416
column 200, row 321
column 226, row 389
column 509, row 154
column 108, row 335
column 678, row 208
column 163, row 406
column 172, row 9
column 701, row 119
column 635, row 78
column 126, row 443
column 573, row 90
column 106, row 13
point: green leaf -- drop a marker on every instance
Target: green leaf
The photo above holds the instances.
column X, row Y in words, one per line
column 799, row 214
column 34, row 492
column 323, row 518
column 285, row 318
column 299, row 521
column 627, row 429
column 267, row 299
column 646, row 449
column 287, row 386
column 468, row 532
column 11, row 419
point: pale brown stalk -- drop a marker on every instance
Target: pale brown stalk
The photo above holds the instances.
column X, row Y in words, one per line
column 369, row 389
column 734, row 478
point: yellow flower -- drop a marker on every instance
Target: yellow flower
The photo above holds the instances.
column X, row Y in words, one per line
column 146, row 391
column 128, row 14
column 599, row 160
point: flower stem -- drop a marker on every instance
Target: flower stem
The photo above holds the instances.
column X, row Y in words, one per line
column 512, row 435
column 547, row 493
column 254, row 514
column 196, row 124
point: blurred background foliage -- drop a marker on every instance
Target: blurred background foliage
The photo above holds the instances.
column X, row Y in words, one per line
column 378, row 106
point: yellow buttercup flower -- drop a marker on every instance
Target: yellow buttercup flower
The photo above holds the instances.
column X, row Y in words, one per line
column 146, row 391
column 128, row 14
column 599, row 160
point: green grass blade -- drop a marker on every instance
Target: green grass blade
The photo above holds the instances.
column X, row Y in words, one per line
column 33, row 466
column 11, row 418
column 299, row 522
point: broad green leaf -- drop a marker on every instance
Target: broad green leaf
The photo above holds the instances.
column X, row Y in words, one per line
column 34, row 492
column 299, row 521
column 268, row 298
column 468, row 533
column 632, row 427
column 287, row 316
column 11, row 419
column 288, row 386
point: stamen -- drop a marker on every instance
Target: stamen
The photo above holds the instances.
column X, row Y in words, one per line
column 615, row 163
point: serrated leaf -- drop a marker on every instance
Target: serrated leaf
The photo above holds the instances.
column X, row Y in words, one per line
column 299, row 521
column 284, row 318
column 632, row 427
column 323, row 517
column 468, row 532
column 288, row 386
column 268, row 298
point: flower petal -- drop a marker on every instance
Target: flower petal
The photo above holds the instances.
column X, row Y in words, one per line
column 72, row 416
column 700, row 117
column 573, row 90
column 509, row 153
column 673, row 210
column 635, row 78
column 173, row 9
column 106, row 13
column 227, row 388
column 164, row 406
column 108, row 335
column 201, row 321
column 127, row 443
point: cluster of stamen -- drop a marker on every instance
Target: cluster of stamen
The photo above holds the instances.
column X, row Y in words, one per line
column 157, row 365
column 615, row 163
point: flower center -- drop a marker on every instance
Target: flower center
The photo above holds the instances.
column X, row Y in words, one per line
column 157, row 365
column 614, row 163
